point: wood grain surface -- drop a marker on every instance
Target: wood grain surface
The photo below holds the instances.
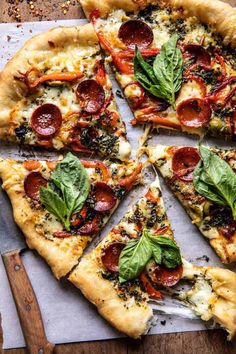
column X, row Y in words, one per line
column 27, row 305
column 206, row 342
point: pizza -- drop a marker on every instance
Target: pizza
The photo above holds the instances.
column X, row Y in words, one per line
column 174, row 59
column 56, row 93
column 129, row 274
column 215, row 219
column 62, row 205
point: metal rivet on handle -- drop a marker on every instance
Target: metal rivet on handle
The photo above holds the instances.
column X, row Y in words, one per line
column 41, row 351
column 17, row 267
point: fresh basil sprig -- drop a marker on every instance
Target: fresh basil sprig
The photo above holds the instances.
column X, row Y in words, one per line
column 68, row 189
column 138, row 252
column 214, row 179
column 164, row 78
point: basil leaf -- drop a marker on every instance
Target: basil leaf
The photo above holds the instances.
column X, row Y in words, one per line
column 133, row 258
column 143, row 69
column 170, row 252
column 215, row 179
column 71, row 177
column 53, row 203
column 72, row 183
column 164, row 79
column 168, row 69
column 139, row 251
column 171, row 257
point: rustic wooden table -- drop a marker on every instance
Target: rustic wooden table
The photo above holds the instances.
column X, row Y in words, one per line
column 207, row 342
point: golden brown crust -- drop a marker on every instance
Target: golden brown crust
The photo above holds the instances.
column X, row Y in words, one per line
column 62, row 254
column 125, row 315
column 219, row 15
column 36, row 49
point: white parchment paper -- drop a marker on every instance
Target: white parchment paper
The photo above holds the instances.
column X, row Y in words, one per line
column 68, row 316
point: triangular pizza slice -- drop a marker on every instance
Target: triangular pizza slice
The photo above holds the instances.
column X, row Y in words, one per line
column 55, row 93
column 129, row 273
column 205, row 183
column 62, row 205
column 171, row 61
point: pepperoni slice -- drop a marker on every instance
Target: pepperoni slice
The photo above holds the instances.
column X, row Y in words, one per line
column 46, row 120
column 91, row 96
column 91, row 227
column 135, row 32
column 32, row 184
column 200, row 55
column 110, row 256
column 104, row 197
column 167, row 277
column 194, row 112
column 184, row 162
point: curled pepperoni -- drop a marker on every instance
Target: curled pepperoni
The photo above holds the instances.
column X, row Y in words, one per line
column 91, row 95
column 110, row 256
column 194, row 112
column 104, row 197
column 135, row 94
column 32, row 184
column 91, row 227
column 184, row 162
column 135, row 32
column 200, row 55
column 46, row 120
column 167, row 277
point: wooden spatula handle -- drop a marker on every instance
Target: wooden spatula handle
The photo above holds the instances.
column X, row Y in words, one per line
column 27, row 305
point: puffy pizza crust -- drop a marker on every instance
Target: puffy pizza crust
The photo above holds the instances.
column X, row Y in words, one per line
column 61, row 255
column 125, row 315
column 36, row 49
column 226, row 249
column 224, row 309
column 219, row 15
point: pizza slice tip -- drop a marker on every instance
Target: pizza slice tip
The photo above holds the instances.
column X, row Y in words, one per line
column 60, row 206
column 129, row 273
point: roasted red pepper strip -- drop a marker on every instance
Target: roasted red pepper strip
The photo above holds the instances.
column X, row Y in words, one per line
column 127, row 182
column 146, row 116
column 222, row 64
column 98, row 164
column 100, row 73
column 149, row 288
column 62, row 234
column 78, row 218
column 215, row 95
column 31, row 165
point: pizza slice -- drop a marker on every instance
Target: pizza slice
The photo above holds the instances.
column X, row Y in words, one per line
column 56, row 93
column 129, row 273
column 204, row 183
column 62, row 205
column 175, row 61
